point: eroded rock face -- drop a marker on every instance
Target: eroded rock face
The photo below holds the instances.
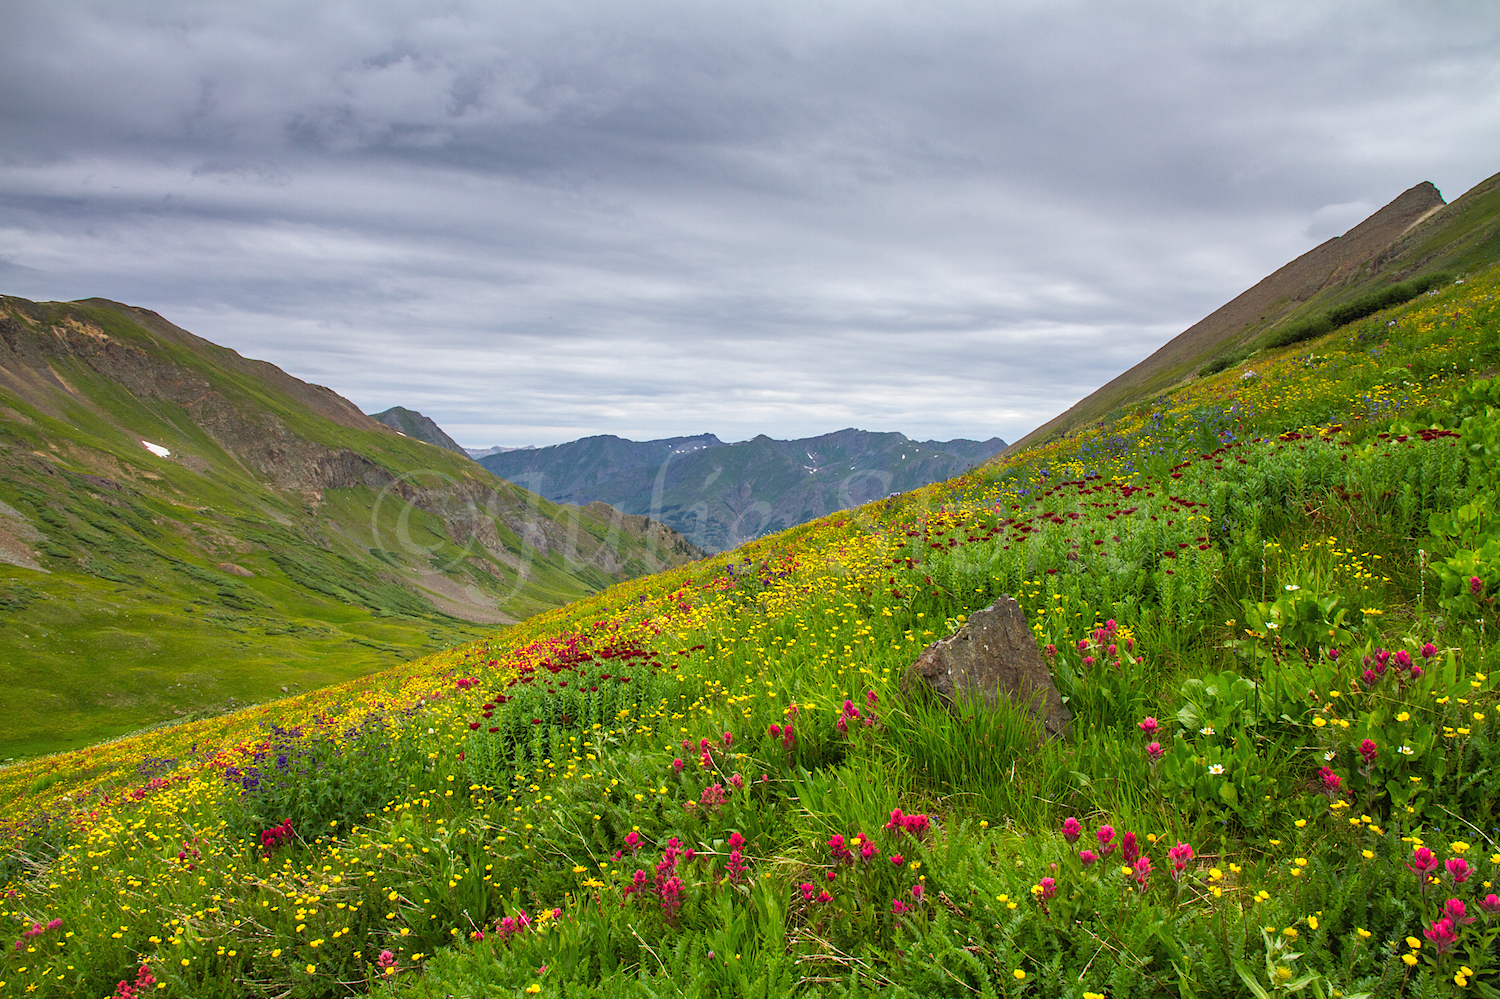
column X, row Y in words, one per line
column 994, row 654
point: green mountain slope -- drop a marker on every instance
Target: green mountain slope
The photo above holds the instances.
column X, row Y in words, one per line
column 720, row 495
column 1414, row 235
column 285, row 541
column 413, row 424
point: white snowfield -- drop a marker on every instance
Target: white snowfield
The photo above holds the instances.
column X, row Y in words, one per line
column 156, row 449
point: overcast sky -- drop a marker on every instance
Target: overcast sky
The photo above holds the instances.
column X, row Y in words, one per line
column 543, row 220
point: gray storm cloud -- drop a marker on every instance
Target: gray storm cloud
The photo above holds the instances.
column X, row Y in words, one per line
column 534, row 222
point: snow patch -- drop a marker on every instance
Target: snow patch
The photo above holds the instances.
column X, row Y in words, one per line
column 156, row 449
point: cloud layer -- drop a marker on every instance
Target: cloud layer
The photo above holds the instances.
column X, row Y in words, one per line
column 534, row 222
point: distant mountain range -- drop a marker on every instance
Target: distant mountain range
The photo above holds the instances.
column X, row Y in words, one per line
column 719, row 495
column 484, row 452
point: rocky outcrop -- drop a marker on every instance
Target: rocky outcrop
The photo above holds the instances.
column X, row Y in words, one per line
column 993, row 655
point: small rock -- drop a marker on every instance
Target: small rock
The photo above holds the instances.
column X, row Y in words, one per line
column 235, row 570
column 994, row 653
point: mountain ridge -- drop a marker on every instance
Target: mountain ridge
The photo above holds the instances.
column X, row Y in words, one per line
column 206, row 529
column 1414, row 233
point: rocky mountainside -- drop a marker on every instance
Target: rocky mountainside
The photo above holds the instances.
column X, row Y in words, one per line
column 1415, row 235
column 410, row 423
column 183, row 529
column 719, row 495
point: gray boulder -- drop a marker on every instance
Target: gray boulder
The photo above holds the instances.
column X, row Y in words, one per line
column 993, row 654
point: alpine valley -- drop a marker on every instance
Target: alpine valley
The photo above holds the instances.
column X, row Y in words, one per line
column 1259, row 569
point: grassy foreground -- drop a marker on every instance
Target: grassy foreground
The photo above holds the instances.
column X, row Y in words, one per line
column 1266, row 597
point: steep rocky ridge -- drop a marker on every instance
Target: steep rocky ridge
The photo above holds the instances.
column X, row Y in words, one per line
column 1416, row 233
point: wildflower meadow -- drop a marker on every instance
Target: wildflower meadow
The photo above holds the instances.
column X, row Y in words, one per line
column 1265, row 598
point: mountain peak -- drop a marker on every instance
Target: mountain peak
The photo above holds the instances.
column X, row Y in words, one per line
column 410, row 423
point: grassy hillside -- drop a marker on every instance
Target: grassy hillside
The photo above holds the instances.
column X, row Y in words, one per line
column 286, row 542
column 1266, row 598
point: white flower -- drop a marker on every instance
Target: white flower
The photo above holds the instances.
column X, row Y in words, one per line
column 1206, row 730
column 1291, row 586
column 1216, row 769
column 1406, row 751
column 1328, row 756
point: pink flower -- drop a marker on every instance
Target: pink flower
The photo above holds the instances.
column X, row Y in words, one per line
column 1071, row 830
column 1403, row 659
column 1142, row 871
column 1083, row 645
column 1180, row 855
column 1154, row 751
column 808, row 891
column 841, row 726
column 1476, row 586
column 841, row 852
column 824, row 898
column 633, row 840
column 1454, row 909
column 916, row 825
column 1331, row 780
column 1429, row 650
column 1088, row 857
column 917, row 891
column 1049, row 888
column 1368, row 750
column 1051, row 651
column 1441, row 934
column 898, row 819
column 788, row 739
column 1149, row 726
column 1088, row 660
column 1416, row 673
column 1333, row 655
column 896, row 859
column 677, row 765
column 898, row 907
column 868, row 850
column 736, row 841
column 1490, row 904
column 1459, row 870
column 727, row 739
column 736, row 781
column 1104, row 835
column 1423, row 862
column 385, row 960
column 735, row 869
column 1129, row 849
column 774, row 731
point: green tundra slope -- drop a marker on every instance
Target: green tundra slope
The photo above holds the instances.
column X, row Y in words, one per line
column 287, row 540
